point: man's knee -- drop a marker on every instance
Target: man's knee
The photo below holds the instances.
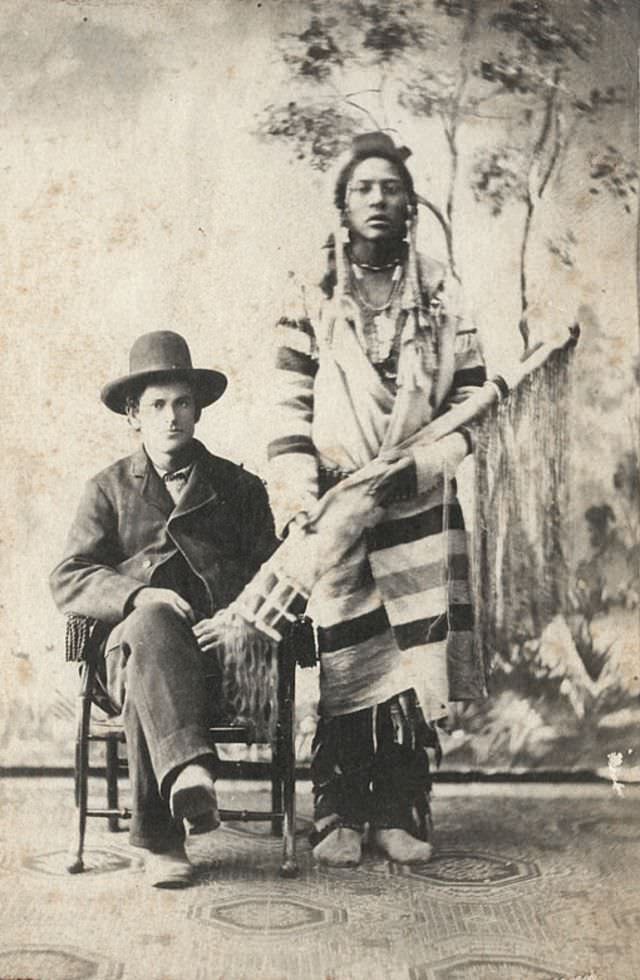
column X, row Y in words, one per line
column 155, row 637
column 157, row 619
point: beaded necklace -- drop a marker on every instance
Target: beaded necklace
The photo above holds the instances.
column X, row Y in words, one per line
column 380, row 322
column 375, row 268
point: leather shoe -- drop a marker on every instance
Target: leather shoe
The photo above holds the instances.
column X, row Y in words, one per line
column 193, row 799
column 170, row 869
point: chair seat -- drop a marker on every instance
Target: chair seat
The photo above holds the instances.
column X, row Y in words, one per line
column 240, row 732
column 106, row 727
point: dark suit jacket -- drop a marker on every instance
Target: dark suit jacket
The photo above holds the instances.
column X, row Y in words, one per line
column 127, row 528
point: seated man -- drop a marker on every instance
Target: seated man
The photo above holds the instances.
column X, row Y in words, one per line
column 162, row 540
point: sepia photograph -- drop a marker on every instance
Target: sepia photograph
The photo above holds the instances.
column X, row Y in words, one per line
column 320, row 616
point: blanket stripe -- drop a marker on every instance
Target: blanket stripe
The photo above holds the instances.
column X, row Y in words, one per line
column 414, row 528
column 350, row 632
column 402, row 559
column 414, row 580
column 397, row 612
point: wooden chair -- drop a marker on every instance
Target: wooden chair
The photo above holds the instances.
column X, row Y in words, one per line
column 281, row 768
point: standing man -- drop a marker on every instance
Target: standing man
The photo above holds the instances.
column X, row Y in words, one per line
column 161, row 541
column 365, row 360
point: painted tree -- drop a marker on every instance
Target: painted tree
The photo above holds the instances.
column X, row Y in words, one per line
column 381, row 64
column 539, row 75
column 350, row 67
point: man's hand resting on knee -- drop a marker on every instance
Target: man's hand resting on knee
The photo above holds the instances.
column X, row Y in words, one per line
column 167, row 597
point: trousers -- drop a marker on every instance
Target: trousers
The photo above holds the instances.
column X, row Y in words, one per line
column 372, row 766
column 169, row 693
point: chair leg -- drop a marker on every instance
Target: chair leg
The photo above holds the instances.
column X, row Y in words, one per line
column 276, row 768
column 76, row 864
column 276, row 785
column 286, row 711
column 112, row 781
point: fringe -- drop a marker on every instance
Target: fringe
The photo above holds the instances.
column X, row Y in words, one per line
column 249, row 665
column 521, row 492
column 79, row 631
column 412, row 732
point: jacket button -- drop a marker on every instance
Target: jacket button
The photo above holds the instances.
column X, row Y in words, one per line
column 147, row 563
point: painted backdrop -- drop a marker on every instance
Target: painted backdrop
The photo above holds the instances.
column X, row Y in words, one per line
column 164, row 165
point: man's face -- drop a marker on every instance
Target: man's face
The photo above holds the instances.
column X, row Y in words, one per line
column 376, row 201
column 166, row 417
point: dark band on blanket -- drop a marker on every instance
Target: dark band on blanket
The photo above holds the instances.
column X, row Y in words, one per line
column 414, row 528
column 288, row 359
column 290, row 444
column 433, row 629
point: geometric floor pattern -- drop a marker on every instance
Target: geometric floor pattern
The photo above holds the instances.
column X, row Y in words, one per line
column 527, row 883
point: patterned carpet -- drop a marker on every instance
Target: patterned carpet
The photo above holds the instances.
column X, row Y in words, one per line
column 528, row 882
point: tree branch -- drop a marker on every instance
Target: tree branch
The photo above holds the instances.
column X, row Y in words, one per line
column 355, row 105
column 446, row 229
column 523, row 326
column 450, row 130
column 383, row 86
column 555, row 153
column 548, row 121
column 363, row 91
column 435, row 211
column 369, row 115
column 450, row 120
column 550, row 124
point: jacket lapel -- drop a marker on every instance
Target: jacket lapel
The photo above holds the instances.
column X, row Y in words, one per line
column 200, row 489
column 149, row 483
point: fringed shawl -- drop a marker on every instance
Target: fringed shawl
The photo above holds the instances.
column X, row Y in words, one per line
column 522, row 480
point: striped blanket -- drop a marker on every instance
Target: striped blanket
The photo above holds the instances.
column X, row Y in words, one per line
column 396, row 613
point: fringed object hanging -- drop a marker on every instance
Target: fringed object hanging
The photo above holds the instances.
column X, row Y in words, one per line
column 519, row 563
column 249, row 674
column 250, row 631
column 521, row 460
column 80, row 631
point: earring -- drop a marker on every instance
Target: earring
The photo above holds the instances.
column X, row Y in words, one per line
column 409, row 221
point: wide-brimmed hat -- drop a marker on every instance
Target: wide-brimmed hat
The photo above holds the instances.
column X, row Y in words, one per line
column 162, row 355
column 366, row 145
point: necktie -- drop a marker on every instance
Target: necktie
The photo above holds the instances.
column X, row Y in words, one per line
column 175, row 482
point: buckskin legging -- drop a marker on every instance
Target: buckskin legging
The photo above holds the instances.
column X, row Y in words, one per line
column 372, row 766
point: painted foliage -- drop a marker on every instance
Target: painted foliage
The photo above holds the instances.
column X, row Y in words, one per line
column 160, row 163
